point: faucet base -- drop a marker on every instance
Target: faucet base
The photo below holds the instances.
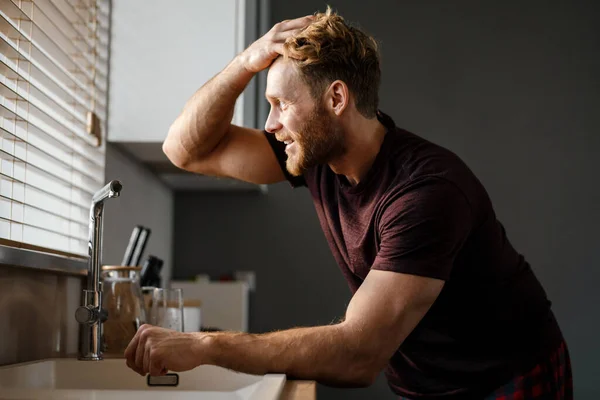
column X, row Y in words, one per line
column 90, row 358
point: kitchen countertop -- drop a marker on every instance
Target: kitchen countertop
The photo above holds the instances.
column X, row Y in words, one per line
column 299, row 390
column 292, row 390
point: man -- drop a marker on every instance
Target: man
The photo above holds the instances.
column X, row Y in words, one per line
column 441, row 298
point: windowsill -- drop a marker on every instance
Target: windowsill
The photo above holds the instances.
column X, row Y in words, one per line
column 25, row 258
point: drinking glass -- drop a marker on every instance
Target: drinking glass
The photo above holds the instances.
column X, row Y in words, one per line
column 167, row 309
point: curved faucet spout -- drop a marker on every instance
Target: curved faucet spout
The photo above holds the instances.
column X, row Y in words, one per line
column 90, row 314
column 112, row 189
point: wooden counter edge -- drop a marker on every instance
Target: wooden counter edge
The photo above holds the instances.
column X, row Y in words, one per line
column 299, row 390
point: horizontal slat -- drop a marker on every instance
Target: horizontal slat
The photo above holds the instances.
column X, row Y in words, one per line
column 15, row 167
column 41, row 237
column 78, row 203
column 55, row 81
column 49, row 170
column 53, row 71
column 82, row 38
column 21, row 193
column 54, row 102
column 45, row 35
column 33, row 216
column 68, row 16
column 53, row 107
column 22, row 124
column 9, row 30
column 12, row 35
column 18, row 91
column 26, row 29
column 57, row 154
column 56, row 32
column 79, row 21
column 47, row 161
column 68, row 145
column 84, row 10
column 7, row 135
column 28, row 111
column 78, row 49
column 77, row 210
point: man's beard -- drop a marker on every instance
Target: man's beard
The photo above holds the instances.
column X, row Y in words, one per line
column 319, row 140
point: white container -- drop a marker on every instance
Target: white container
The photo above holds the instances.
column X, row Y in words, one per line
column 192, row 316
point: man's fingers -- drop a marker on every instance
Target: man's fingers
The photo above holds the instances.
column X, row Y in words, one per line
column 131, row 348
column 131, row 351
column 277, row 47
column 139, row 354
column 146, row 362
column 130, row 364
column 297, row 23
column 282, row 36
column 155, row 364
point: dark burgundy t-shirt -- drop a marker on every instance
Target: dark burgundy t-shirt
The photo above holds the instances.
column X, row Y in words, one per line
column 420, row 210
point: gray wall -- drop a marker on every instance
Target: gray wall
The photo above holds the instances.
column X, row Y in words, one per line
column 146, row 201
column 37, row 314
column 513, row 87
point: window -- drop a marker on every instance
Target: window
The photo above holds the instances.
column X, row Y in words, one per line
column 53, row 84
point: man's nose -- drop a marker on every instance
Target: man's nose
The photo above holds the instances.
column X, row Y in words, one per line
column 272, row 125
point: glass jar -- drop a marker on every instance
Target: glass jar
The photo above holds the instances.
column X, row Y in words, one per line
column 122, row 299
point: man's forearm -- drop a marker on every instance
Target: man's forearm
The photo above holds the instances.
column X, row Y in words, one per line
column 329, row 354
column 207, row 115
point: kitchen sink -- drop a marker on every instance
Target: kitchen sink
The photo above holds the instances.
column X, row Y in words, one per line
column 112, row 379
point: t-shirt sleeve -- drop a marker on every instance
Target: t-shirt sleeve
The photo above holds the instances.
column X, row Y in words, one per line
column 279, row 150
column 423, row 228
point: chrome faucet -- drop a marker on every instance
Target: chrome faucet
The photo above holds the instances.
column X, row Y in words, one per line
column 91, row 315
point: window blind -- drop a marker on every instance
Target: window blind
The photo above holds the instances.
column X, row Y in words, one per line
column 53, row 84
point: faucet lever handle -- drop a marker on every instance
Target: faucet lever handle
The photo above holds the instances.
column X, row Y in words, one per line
column 103, row 315
column 86, row 315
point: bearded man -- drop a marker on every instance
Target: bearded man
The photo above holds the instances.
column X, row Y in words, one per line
column 441, row 299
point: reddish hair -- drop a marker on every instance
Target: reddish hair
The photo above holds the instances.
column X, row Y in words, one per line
column 329, row 49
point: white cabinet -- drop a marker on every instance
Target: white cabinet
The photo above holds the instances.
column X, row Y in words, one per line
column 162, row 51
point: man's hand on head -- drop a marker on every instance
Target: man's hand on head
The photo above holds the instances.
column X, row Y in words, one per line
column 260, row 54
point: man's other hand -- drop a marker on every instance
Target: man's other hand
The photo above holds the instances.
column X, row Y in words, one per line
column 155, row 351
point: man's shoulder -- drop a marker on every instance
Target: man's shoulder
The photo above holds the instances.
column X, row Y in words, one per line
column 415, row 157
column 419, row 169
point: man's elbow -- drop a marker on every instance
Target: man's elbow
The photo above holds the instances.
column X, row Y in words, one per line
column 172, row 155
column 366, row 360
column 174, row 152
column 364, row 381
column 349, row 378
column 364, row 375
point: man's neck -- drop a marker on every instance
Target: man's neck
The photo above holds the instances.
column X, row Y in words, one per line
column 363, row 139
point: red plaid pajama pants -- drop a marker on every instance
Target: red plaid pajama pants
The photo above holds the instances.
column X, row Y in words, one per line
column 549, row 380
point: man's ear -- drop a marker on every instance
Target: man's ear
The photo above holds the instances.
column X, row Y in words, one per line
column 337, row 97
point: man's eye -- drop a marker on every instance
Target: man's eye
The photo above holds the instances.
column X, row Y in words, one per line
column 282, row 105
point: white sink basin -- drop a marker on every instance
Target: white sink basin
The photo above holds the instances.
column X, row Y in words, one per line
column 112, row 379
